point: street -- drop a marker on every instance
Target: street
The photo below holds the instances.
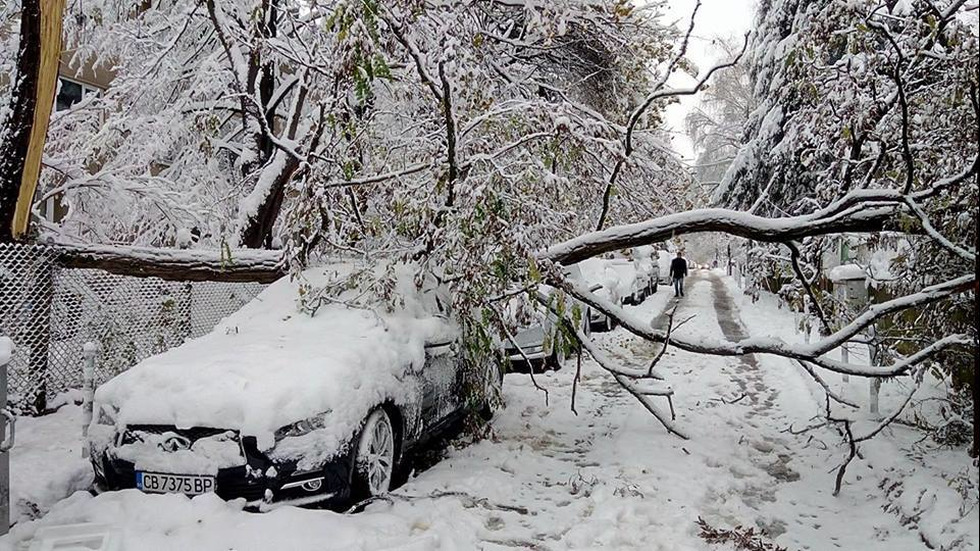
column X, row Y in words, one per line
column 608, row 477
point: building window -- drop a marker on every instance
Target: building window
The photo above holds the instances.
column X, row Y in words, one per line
column 71, row 92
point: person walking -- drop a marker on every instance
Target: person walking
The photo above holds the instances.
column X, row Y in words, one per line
column 678, row 271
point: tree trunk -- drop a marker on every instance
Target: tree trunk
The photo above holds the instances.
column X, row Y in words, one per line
column 258, row 233
column 17, row 135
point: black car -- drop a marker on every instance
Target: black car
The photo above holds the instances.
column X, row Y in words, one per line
column 276, row 405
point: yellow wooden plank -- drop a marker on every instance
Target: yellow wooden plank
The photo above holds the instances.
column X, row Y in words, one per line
column 51, row 44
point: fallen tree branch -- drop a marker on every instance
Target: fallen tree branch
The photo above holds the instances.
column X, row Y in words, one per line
column 240, row 265
column 624, row 381
column 859, row 211
column 826, row 388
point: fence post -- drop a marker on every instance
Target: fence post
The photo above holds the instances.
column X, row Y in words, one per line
column 89, row 351
column 40, row 325
column 6, row 442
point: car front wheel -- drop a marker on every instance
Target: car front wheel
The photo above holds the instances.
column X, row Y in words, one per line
column 374, row 460
column 556, row 359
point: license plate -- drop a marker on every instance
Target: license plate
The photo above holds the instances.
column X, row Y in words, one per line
column 165, row 483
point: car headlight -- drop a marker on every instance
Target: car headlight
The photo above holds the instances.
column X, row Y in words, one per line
column 106, row 414
column 299, row 428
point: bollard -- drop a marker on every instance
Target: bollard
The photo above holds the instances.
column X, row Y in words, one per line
column 89, row 351
column 875, row 383
column 806, row 320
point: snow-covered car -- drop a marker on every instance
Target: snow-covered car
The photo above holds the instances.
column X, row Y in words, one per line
column 604, row 281
column 647, row 270
column 594, row 273
column 629, row 281
column 278, row 405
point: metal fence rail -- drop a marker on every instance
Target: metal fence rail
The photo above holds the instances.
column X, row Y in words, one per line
column 51, row 311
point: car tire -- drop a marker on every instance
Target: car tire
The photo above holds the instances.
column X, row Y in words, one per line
column 555, row 360
column 373, row 463
column 587, row 326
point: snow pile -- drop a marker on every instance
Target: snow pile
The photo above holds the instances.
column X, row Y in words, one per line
column 270, row 365
column 46, row 464
column 205, row 456
column 847, row 272
column 880, row 264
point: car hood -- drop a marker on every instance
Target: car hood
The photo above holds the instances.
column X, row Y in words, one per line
column 270, row 365
column 528, row 337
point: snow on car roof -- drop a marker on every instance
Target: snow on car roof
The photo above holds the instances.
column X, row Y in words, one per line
column 846, row 272
column 269, row 365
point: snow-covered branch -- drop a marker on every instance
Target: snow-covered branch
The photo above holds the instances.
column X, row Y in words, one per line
column 176, row 264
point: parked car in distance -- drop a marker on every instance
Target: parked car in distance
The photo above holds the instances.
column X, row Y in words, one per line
column 537, row 346
column 277, row 405
column 647, row 269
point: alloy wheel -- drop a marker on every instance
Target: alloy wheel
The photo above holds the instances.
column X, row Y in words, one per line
column 376, row 453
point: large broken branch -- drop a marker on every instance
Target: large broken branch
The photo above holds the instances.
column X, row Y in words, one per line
column 259, row 266
column 860, row 211
column 735, row 223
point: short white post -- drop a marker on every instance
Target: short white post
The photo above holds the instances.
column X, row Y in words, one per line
column 806, row 320
column 875, row 383
column 89, row 351
column 845, row 357
column 875, row 387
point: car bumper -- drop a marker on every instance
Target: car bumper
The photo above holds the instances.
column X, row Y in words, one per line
column 515, row 356
column 259, row 481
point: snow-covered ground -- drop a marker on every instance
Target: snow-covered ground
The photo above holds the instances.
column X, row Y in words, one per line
column 609, row 477
column 46, row 463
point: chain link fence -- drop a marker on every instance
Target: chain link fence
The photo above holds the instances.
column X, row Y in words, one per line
column 50, row 312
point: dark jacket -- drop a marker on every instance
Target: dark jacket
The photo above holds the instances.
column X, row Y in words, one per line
column 678, row 268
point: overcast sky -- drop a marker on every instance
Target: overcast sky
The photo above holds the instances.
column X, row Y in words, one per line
column 715, row 18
